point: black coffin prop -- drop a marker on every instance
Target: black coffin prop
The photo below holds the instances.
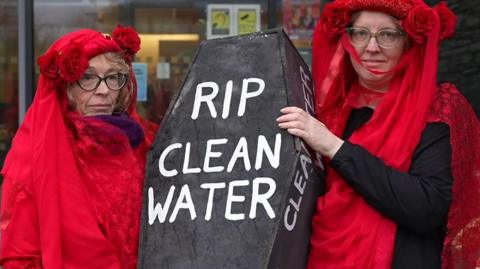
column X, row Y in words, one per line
column 225, row 187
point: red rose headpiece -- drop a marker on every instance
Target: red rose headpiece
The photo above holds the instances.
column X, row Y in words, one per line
column 417, row 17
column 67, row 59
column 128, row 40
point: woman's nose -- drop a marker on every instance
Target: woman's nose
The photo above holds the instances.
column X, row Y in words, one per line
column 102, row 88
column 372, row 45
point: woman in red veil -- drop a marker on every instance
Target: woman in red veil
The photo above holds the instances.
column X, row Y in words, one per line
column 402, row 153
column 73, row 177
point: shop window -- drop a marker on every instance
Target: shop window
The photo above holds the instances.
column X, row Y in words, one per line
column 8, row 75
column 170, row 32
column 299, row 18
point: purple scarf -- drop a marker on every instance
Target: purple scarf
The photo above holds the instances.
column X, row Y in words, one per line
column 130, row 128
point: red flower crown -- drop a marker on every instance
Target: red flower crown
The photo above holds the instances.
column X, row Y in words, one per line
column 418, row 19
column 70, row 62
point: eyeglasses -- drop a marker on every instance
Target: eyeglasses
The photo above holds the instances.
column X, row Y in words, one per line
column 386, row 38
column 90, row 82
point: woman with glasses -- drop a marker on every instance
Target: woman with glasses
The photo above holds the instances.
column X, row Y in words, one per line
column 73, row 177
column 402, row 153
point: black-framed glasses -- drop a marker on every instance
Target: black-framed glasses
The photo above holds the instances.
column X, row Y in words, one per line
column 386, row 38
column 90, row 82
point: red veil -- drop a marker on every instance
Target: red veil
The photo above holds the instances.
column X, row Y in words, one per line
column 72, row 187
column 394, row 131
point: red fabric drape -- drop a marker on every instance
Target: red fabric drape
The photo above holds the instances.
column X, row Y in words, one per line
column 73, row 184
column 462, row 245
column 347, row 232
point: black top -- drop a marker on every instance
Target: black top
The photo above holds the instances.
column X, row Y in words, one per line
column 417, row 201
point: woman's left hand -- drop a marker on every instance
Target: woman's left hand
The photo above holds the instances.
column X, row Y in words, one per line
column 299, row 123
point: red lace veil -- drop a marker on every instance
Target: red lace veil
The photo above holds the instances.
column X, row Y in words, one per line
column 393, row 133
column 85, row 178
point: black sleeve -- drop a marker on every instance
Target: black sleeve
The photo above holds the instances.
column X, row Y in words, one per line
column 418, row 200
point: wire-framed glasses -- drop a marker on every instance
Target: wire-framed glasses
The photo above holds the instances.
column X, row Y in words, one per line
column 90, row 82
column 386, row 38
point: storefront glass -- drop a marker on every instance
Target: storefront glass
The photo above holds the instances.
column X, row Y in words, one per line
column 8, row 74
column 170, row 31
column 299, row 18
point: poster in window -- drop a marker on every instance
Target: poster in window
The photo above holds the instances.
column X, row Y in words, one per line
column 248, row 18
column 228, row 20
column 300, row 18
column 219, row 21
column 141, row 72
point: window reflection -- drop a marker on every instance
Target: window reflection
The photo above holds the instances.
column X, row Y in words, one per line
column 170, row 31
column 8, row 75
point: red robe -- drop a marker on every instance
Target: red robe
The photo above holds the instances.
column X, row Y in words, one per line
column 72, row 185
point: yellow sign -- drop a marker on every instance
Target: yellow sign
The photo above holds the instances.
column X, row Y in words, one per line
column 220, row 22
column 247, row 21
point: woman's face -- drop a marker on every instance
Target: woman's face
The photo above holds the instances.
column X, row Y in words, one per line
column 373, row 56
column 100, row 101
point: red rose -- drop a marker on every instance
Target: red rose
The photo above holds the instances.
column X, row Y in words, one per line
column 419, row 21
column 48, row 65
column 127, row 38
column 335, row 19
column 448, row 20
column 72, row 62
